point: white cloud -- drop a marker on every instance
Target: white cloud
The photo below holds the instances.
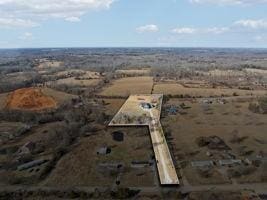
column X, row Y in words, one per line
column 14, row 23
column 240, row 26
column 252, row 24
column 147, row 28
column 26, row 36
column 73, row 19
column 229, row 2
column 212, row 30
column 217, row 30
column 184, row 30
column 70, row 10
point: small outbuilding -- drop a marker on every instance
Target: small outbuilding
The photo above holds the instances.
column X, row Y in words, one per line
column 103, row 151
column 229, row 162
column 205, row 163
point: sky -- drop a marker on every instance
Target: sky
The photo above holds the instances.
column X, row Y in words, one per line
column 133, row 23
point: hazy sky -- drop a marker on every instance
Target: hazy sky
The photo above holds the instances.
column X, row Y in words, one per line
column 133, row 23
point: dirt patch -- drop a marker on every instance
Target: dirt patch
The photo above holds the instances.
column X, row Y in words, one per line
column 30, row 99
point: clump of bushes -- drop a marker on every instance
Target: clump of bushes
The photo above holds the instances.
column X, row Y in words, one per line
column 124, row 193
column 259, row 107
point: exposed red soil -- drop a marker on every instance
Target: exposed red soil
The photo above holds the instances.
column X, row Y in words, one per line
column 30, row 99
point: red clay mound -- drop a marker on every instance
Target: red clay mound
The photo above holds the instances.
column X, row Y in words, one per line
column 30, row 99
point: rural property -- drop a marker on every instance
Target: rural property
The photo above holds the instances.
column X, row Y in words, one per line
column 140, row 110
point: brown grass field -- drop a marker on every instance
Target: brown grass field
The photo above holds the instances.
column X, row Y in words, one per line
column 60, row 97
column 80, row 166
column 75, row 82
column 256, row 71
column 43, row 135
column 193, row 176
column 178, row 89
column 81, row 73
column 113, row 105
column 127, row 86
column 224, row 121
column 50, row 64
column 144, row 71
column 220, row 120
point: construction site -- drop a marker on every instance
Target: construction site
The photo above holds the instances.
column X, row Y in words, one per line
column 145, row 110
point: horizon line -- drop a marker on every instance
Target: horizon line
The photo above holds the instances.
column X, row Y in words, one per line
column 130, row 47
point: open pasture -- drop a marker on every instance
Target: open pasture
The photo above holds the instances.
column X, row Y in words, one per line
column 131, row 85
column 132, row 72
column 178, row 89
column 74, row 82
column 242, row 131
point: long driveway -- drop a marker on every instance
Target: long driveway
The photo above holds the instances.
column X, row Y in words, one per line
column 166, row 169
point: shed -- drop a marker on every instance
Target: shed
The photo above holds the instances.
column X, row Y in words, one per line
column 31, row 164
column 229, row 162
column 205, row 163
column 103, row 151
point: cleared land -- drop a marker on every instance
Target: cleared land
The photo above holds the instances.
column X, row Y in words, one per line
column 30, row 99
column 131, row 85
column 178, row 89
column 134, row 112
column 34, row 99
column 50, row 64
